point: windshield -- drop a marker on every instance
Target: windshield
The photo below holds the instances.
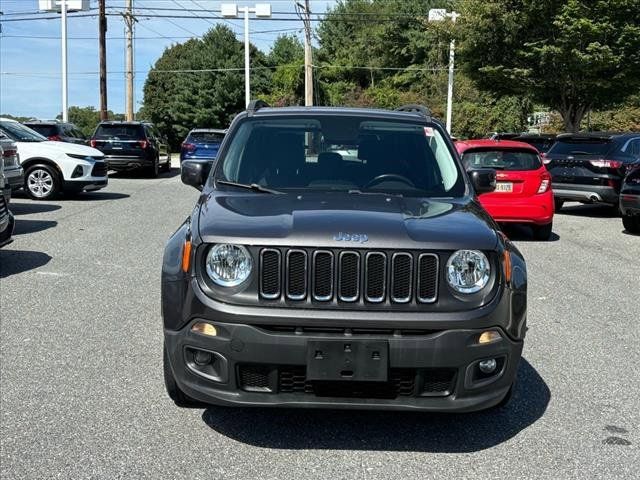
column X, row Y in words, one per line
column 119, row 132
column 342, row 153
column 581, row 147
column 502, row 160
column 19, row 132
column 205, row 137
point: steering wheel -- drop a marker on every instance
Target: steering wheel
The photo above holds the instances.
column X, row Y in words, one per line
column 389, row 176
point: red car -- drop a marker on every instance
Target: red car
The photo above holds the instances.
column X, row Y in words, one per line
column 523, row 193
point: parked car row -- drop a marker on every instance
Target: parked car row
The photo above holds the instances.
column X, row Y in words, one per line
column 590, row 168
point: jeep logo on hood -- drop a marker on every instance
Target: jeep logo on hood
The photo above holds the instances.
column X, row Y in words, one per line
column 351, row 237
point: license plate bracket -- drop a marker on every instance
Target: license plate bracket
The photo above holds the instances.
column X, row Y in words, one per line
column 347, row 360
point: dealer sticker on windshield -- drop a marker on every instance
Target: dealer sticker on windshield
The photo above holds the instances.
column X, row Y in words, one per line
column 428, row 131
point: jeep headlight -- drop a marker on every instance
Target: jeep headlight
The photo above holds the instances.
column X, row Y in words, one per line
column 468, row 271
column 228, row 265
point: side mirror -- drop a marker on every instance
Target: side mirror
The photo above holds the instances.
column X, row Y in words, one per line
column 483, row 180
column 195, row 172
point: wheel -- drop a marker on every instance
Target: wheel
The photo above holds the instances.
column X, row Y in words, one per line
column 167, row 165
column 615, row 210
column 631, row 223
column 558, row 203
column 180, row 398
column 542, row 232
column 154, row 170
column 42, row 182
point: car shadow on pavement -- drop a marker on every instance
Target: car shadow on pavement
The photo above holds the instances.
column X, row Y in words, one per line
column 523, row 233
column 18, row 261
column 386, row 430
column 143, row 175
column 20, row 208
column 589, row 210
column 32, row 226
column 98, row 195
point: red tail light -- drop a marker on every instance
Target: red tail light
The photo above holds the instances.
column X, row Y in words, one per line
column 54, row 138
column 606, row 163
column 189, row 147
column 9, row 153
column 143, row 144
column 545, row 182
column 93, row 143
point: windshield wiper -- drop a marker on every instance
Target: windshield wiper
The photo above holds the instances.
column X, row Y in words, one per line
column 249, row 186
column 356, row 191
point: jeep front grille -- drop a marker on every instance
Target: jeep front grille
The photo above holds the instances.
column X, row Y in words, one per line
column 348, row 276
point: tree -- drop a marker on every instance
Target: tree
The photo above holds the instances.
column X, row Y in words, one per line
column 87, row 118
column 200, row 83
column 287, row 82
column 572, row 55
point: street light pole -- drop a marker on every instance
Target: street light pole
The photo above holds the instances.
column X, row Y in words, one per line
column 438, row 15
column 230, row 10
column 65, row 85
column 247, row 69
column 452, row 49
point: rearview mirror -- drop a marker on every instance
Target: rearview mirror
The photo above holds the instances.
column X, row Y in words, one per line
column 483, row 180
column 195, row 172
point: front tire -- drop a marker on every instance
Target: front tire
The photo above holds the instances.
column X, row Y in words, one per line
column 42, row 182
column 180, row 398
column 631, row 223
column 542, row 232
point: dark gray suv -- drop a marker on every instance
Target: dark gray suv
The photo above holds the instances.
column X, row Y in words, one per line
column 339, row 258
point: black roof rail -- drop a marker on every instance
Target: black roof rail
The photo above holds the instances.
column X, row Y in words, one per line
column 255, row 105
column 414, row 108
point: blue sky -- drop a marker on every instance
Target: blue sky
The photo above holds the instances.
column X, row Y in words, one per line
column 30, row 62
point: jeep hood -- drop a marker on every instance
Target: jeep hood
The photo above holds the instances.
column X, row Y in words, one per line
column 344, row 220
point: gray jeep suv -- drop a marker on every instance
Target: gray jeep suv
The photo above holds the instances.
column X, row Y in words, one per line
column 339, row 257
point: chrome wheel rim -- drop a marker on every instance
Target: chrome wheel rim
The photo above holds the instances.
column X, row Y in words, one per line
column 40, row 183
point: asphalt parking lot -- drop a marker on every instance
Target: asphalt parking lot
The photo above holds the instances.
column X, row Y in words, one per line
column 81, row 390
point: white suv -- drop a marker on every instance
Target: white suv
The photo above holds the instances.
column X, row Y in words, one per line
column 51, row 168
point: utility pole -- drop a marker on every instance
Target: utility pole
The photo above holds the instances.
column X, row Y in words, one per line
column 129, row 20
column 308, row 53
column 65, row 88
column 102, row 25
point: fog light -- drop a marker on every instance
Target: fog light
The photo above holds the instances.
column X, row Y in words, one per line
column 488, row 366
column 488, row 337
column 203, row 358
column 204, row 329
column 77, row 172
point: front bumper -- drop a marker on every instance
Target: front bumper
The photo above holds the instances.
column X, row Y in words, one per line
column 87, row 184
column 258, row 366
column 585, row 193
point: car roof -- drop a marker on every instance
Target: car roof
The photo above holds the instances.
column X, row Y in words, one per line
column 486, row 144
column 597, row 135
column 345, row 111
column 123, row 122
